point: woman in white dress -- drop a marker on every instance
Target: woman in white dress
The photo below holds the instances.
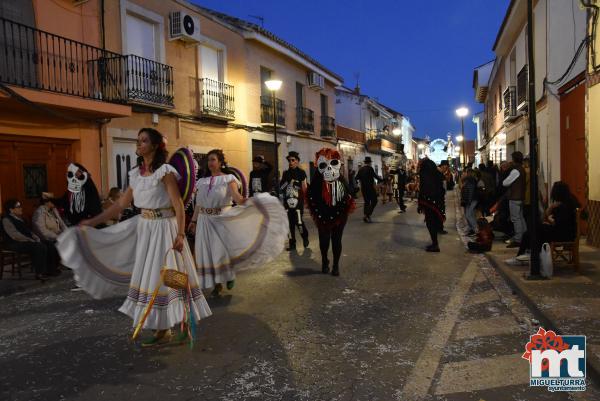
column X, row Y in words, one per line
column 131, row 254
column 230, row 238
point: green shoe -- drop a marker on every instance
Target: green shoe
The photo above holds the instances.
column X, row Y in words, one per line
column 230, row 284
column 182, row 337
column 157, row 339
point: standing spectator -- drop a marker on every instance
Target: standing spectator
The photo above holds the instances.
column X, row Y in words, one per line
column 468, row 199
column 367, row 176
column 399, row 187
column 18, row 237
column 47, row 225
column 259, row 176
column 515, row 182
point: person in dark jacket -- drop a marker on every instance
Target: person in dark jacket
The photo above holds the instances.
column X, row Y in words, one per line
column 259, row 176
column 18, row 237
column 515, row 183
column 431, row 200
column 367, row 177
column 399, row 186
column 559, row 225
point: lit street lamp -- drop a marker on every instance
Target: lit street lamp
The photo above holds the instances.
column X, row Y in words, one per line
column 274, row 85
column 462, row 113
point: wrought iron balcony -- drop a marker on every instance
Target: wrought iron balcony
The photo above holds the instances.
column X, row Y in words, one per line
column 266, row 110
column 327, row 127
column 36, row 59
column 305, row 119
column 522, row 88
column 510, row 106
column 216, row 99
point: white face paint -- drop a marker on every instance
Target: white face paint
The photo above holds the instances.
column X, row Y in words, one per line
column 74, row 183
column 330, row 168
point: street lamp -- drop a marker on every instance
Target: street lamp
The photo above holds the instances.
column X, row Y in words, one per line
column 274, row 85
column 462, row 113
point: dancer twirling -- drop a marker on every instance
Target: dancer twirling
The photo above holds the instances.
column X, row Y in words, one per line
column 132, row 253
column 329, row 202
column 232, row 238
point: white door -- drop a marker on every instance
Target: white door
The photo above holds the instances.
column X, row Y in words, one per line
column 123, row 159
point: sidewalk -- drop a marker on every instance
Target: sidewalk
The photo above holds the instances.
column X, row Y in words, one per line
column 568, row 303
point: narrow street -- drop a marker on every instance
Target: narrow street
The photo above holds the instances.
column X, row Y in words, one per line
column 398, row 324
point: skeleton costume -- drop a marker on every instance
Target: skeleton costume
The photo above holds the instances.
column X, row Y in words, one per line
column 293, row 201
column 82, row 200
column 329, row 202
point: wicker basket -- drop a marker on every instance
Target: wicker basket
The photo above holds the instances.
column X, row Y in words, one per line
column 173, row 278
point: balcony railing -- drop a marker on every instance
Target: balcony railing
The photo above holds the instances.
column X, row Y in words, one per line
column 36, row 59
column 327, row 127
column 266, row 110
column 522, row 88
column 305, row 119
column 216, row 99
column 510, row 106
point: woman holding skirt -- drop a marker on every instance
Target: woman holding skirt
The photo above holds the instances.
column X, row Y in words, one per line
column 230, row 238
column 130, row 255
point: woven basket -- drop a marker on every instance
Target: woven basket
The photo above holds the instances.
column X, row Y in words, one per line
column 173, row 278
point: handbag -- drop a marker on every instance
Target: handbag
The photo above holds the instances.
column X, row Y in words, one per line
column 172, row 277
column 546, row 267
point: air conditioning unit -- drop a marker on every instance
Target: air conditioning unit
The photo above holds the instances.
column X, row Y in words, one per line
column 316, row 81
column 184, row 27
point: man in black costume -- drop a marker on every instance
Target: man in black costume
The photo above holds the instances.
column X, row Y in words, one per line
column 293, row 186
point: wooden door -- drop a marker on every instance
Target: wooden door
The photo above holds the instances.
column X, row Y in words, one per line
column 30, row 166
column 572, row 143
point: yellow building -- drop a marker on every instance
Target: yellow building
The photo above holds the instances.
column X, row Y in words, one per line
column 81, row 78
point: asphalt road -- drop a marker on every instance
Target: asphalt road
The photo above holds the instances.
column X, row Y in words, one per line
column 398, row 324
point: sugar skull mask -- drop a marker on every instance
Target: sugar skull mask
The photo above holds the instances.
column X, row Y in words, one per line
column 76, row 178
column 329, row 168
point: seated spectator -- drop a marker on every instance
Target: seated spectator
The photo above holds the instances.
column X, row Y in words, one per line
column 18, row 237
column 468, row 199
column 559, row 222
column 485, row 237
column 113, row 196
column 47, row 224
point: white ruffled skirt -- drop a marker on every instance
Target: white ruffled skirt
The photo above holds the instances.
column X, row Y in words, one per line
column 240, row 237
column 127, row 259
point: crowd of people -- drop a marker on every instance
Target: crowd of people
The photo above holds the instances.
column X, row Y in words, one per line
column 126, row 244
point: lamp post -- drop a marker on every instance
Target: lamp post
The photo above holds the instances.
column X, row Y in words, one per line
column 461, row 139
column 274, row 85
column 462, row 113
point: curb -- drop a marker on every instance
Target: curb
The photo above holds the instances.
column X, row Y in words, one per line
column 593, row 362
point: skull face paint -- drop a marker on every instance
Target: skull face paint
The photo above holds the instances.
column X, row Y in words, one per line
column 329, row 168
column 76, row 178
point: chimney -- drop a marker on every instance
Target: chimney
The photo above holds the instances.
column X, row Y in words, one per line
column 356, row 90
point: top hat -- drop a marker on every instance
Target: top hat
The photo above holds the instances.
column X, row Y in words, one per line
column 368, row 160
column 293, row 154
column 259, row 159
